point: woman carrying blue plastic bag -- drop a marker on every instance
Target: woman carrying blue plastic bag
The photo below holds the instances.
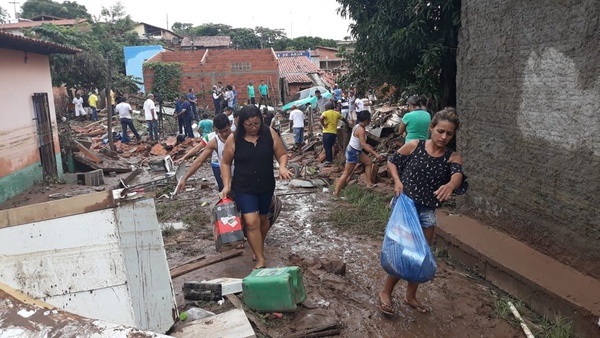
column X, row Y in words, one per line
column 428, row 172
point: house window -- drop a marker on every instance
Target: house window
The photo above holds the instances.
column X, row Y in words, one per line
column 240, row 66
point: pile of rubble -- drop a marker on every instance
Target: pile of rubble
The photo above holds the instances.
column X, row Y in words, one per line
column 90, row 147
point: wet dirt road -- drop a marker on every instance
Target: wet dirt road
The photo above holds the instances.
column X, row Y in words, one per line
column 462, row 306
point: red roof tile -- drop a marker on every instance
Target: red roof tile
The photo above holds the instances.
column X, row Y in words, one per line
column 296, row 78
column 29, row 24
column 17, row 42
column 296, row 65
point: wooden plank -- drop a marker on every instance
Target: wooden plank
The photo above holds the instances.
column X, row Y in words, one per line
column 90, row 154
column 325, row 329
column 25, row 299
column 195, row 259
column 182, row 270
column 257, row 322
column 56, row 209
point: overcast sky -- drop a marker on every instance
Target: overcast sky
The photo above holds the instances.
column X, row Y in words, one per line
column 297, row 18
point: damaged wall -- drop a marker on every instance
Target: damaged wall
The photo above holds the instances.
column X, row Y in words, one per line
column 23, row 74
column 528, row 97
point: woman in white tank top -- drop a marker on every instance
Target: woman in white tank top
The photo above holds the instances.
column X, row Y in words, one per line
column 354, row 152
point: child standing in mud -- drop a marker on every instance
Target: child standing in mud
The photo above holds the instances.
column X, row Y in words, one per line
column 428, row 172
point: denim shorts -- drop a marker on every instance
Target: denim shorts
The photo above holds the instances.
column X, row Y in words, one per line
column 298, row 135
column 427, row 215
column 352, row 155
column 251, row 203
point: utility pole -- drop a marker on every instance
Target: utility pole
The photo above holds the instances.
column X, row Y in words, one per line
column 15, row 3
column 109, row 109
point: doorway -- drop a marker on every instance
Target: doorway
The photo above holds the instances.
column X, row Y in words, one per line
column 45, row 137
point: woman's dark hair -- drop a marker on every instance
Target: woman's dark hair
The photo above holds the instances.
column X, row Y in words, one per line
column 248, row 112
column 229, row 87
column 447, row 114
column 221, row 121
column 204, row 116
column 363, row 116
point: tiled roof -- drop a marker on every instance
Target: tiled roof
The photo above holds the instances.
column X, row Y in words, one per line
column 328, row 77
column 17, row 42
column 207, row 41
column 296, row 78
column 29, row 24
column 295, row 65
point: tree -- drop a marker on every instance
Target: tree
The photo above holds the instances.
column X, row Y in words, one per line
column 303, row 43
column 410, row 44
column 65, row 10
column 268, row 36
column 4, row 17
column 83, row 70
column 211, row 29
column 104, row 41
column 244, row 38
column 182, row 28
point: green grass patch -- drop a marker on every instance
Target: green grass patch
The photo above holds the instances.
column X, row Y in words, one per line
column 166, row 212
column 168, row 231
column 541, row 327
column 502, row 309
column 196, row 218
column 366, row 213
column 560, row 327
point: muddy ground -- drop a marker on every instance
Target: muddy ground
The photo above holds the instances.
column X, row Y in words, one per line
column 462, row 306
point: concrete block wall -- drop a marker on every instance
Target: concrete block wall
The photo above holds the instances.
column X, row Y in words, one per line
column 528, row 92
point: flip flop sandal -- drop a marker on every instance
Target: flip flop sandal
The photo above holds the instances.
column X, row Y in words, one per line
column 385, row 308
column 419, row 308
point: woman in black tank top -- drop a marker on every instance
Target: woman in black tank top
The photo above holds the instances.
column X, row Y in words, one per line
column 252, row 147
column 428, row 172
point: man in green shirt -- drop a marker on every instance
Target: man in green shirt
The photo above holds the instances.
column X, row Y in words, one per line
column 251, row 95
column 263, row 89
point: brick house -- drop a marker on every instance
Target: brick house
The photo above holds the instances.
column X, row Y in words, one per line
column 203, row 69
column 297, row 73
column 326, row 58
column 29, row 143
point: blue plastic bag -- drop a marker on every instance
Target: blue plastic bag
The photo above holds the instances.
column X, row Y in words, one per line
column 405, row 253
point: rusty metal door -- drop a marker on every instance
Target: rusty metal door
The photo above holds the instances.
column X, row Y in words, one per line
column 45, row 137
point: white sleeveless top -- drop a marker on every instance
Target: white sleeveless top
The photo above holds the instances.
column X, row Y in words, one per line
column 219, row 152
column 355, row 141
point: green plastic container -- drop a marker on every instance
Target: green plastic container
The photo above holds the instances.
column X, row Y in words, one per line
column 274, row 289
